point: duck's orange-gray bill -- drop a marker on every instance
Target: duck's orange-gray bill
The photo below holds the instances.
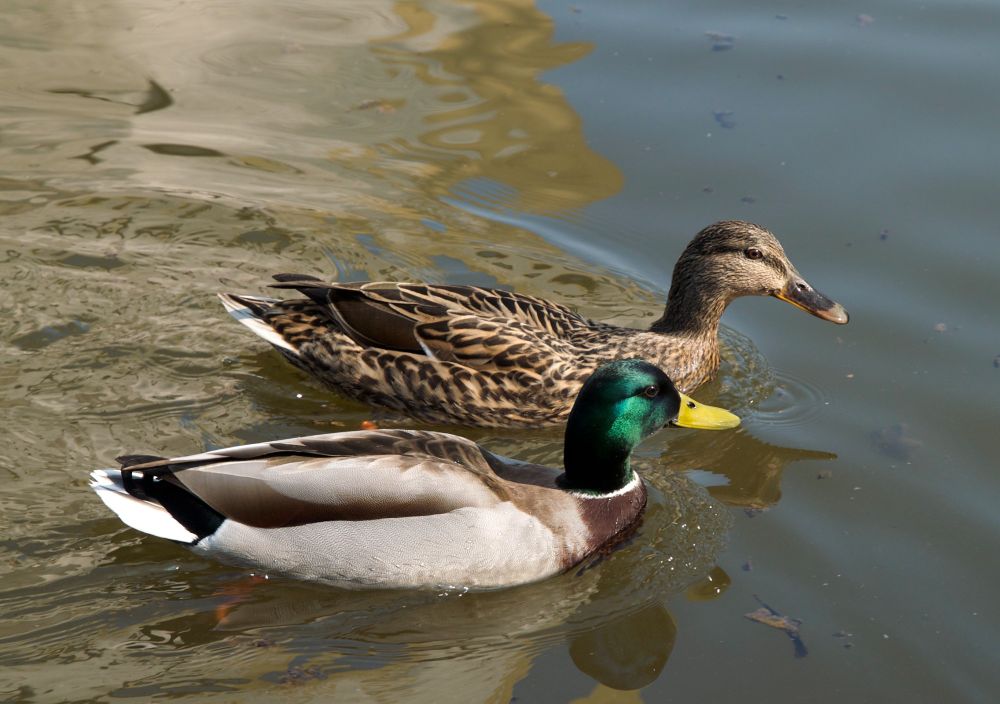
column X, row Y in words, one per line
column 802, row 295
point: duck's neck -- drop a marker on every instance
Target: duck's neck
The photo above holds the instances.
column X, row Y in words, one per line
column 596, row 452
column 693, row 309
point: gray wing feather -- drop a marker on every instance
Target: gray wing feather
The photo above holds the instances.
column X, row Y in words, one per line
column 355, row 476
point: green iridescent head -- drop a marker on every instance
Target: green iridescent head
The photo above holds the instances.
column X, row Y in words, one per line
column 622, row 403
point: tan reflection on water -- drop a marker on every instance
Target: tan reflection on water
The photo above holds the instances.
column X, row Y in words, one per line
column 506, row 124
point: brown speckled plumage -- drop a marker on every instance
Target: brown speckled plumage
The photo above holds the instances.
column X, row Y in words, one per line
column 476, row 356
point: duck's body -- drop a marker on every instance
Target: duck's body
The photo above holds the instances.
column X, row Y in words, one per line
column 387, row 508
column 477, row 356
column 474, row 355
column 406, row 508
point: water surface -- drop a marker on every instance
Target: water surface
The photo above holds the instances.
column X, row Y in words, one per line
column 152, row 154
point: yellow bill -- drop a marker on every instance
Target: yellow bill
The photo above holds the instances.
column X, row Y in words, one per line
column 704, row 417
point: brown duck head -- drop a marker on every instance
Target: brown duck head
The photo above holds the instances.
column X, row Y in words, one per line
column 730, row 259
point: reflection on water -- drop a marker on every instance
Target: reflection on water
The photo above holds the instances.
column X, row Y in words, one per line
column 628, row 653
column 504, row 124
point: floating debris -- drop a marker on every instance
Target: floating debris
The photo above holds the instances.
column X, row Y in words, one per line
column 724, row 118
column 748, row 200
column 845, row 634
column 883, row 234
column 383, row 107
column 824, row 474
column 369, row 425
column 770, row 617
column 895, row 441
column 996, row 362
column 747, row 566
column 863, row 20
column 940, row 327
column 720, row 41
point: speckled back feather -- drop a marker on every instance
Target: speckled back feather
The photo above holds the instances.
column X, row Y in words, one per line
column 478, row 356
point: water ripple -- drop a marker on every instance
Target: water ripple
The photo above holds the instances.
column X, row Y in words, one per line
column 794, row 401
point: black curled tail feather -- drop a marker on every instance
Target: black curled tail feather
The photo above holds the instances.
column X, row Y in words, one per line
column 310, row 286
column 158, row 485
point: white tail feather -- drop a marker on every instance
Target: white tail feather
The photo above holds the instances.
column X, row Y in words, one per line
column 246, row 316
column 144, row 516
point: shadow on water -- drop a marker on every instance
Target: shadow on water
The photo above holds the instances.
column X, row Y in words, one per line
column 154, row 97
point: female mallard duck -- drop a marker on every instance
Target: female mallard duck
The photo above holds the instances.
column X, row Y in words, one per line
column 408, row 508
column 477, row 356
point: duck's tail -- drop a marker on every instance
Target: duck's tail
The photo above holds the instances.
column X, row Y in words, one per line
column 251, row 311
column 143, row 515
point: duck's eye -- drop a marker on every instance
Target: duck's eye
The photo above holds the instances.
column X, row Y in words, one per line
column 753, row 253
column 651, row 391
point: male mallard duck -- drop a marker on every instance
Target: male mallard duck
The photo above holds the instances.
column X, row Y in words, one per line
column 408, row 508
column 478, row 356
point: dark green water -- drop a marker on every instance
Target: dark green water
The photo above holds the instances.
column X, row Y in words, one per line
column 152, row 154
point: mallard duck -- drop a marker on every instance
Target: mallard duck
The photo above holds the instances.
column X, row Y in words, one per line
column 410, row 508
column 479, row 356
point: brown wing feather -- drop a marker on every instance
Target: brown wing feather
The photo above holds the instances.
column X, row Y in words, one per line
column 386, row 314
column 423, row 301
column 494, row 343
column 442, row 353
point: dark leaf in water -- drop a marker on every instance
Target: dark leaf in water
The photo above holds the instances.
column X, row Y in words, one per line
column 771, row 617
column 895, row 441
column 725, row 119
column 720, row 41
